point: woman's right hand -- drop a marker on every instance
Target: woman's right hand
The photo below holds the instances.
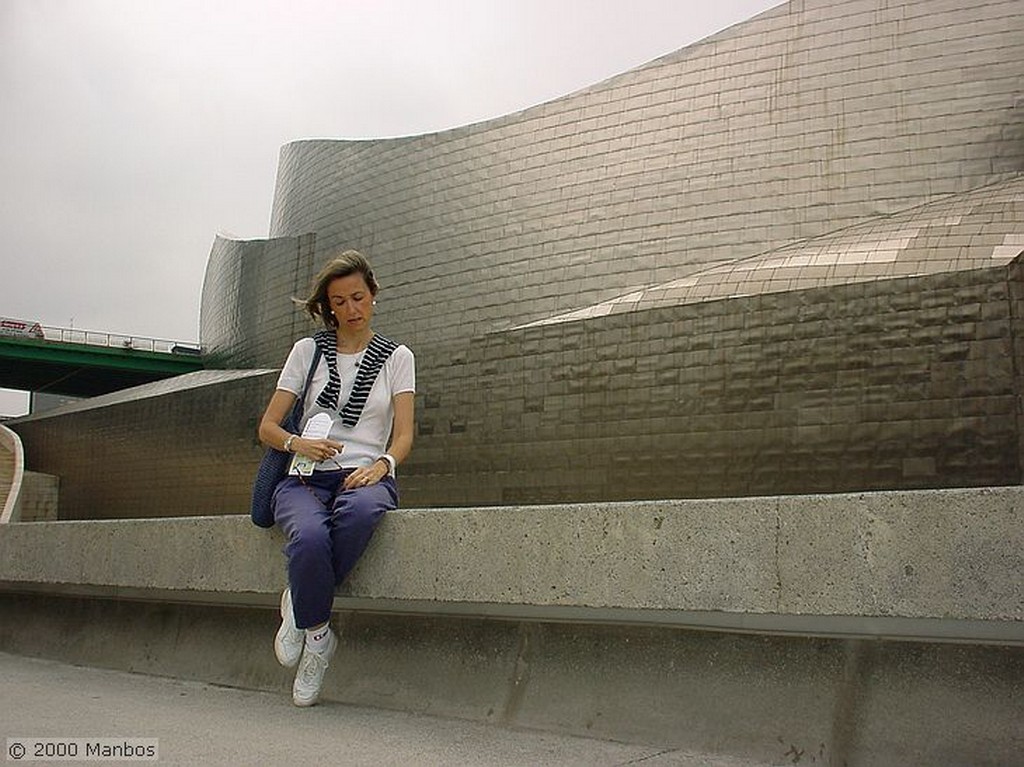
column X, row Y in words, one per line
column 317, row 449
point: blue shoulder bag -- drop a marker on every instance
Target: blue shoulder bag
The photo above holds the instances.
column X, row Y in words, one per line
column 274, row 464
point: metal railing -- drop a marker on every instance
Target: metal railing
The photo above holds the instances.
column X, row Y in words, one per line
column 102, row 338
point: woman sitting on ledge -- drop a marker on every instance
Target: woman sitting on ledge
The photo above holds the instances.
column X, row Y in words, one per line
column 364, row 384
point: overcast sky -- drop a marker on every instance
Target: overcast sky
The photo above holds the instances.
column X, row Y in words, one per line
column 133, row 131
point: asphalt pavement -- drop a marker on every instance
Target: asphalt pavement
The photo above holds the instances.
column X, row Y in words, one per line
column 82, row 711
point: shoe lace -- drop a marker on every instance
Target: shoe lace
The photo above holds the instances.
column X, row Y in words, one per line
column 313, row 664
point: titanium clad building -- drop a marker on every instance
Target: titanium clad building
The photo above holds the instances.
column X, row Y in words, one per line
column 784, row 259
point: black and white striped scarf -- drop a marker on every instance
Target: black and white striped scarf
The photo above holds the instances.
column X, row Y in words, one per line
column 376, row 354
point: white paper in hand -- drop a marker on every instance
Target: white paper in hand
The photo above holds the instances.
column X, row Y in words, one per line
column 317, row 427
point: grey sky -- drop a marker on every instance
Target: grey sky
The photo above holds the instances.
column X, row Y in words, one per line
column 133, row 131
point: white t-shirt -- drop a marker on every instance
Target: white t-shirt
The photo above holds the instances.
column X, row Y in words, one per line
column 368, row 439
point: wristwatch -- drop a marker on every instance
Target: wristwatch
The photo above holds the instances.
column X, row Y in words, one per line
column 390, row 461
column 288, row 442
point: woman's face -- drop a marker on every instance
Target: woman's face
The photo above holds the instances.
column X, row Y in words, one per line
column 351, row 302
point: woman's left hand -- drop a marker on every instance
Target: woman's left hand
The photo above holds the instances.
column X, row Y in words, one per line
column 365, row 476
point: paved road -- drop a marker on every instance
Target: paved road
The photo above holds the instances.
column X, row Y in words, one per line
column 199, row 724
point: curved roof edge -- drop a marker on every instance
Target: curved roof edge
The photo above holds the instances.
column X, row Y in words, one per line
column 977, row 229
column 496, row 121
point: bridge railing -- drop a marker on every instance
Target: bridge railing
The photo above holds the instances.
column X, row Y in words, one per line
column 103, row 338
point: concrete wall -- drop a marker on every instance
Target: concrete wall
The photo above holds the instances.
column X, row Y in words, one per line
column 949, row 557
column 761, row 628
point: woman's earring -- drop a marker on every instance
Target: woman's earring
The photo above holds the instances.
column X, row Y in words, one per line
column 375, row 302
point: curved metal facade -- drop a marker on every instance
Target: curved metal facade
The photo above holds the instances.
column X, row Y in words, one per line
column 809, row 118
column 785, row 259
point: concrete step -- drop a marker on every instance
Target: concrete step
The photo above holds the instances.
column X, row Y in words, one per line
column 757, row 628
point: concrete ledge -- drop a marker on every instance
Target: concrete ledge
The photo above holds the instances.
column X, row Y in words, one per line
column 934, row 565
column 578, row 619
column 769, row 699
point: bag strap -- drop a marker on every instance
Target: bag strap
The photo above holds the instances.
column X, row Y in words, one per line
column 299, row 406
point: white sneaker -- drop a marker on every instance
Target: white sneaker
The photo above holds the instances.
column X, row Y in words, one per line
column 310, row 678
column 290, row 639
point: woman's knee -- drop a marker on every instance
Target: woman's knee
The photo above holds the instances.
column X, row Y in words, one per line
column 366, row 505
column 311, row 537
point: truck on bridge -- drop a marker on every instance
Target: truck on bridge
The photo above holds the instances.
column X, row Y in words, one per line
column 14, row 327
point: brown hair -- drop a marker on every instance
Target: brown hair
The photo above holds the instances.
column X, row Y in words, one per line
column 348, row 262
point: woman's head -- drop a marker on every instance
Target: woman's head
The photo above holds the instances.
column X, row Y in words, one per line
column 351, row 265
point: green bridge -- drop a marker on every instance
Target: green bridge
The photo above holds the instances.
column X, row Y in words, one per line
column 81, row 363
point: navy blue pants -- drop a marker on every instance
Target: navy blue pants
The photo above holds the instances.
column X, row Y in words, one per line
column 327, row 531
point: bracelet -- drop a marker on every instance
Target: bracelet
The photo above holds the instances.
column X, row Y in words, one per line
column 390, row 461
column 288, row 442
